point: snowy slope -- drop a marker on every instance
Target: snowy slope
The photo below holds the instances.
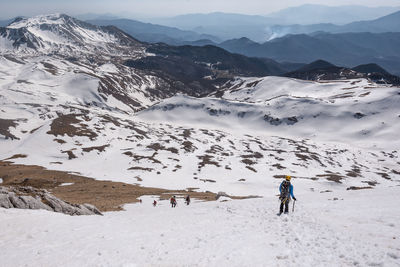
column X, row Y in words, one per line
column 45, row 80
column 59, row 33
column 358, row 229
column 111, row 145
column 351, row 111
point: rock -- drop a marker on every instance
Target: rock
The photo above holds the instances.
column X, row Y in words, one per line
column 92, row 208
column 26, row 197
column 5, row 201
column 221, row 194
column 34, row 203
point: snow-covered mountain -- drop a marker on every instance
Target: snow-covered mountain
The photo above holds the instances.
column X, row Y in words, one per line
column 356, row 111
column 256, row 130
column 75, row 110
column 59, row 33
column 79, row 59
column 71, row 104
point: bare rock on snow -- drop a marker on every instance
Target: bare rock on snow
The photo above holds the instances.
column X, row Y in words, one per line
column 32, row 198
column 221, row 194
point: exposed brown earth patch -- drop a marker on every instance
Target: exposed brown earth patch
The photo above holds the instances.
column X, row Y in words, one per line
column 158, row 146
column 332, row 177
column 251, row 169
column 105, row 195
column 208, row 180
column 256, row 155
column 50, row 68
column 70, row 125
column 70, row 154
column 354, row 172
column 186, row 133
column 359, row 188
column 4, row 128
column 188, row 146
column 278, row 166
column 138, row 158
column 17, row 156
column 248, row 161
column 138, row 168
column 207, row 160
column 371, row 183
column 384, row 175
column 279, row 176
column 60, row 141
column 98, row 148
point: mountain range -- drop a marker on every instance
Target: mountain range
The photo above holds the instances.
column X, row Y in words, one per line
column 388, row 23
column 348, row 45
column 345, row 49
column 260, row 28
column 315, row 14
column 223, row 26
column 153, row 33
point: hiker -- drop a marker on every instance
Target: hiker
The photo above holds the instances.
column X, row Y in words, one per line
column 154, row 203
column 286, row 190
column 187, row 200
column 173, row 202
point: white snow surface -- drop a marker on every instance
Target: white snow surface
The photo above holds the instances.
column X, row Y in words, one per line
column 352, row 111
column 186, row 142
column 360, row 228
column 66, row 184
column 61, row 34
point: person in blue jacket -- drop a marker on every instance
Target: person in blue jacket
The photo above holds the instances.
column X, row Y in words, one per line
column 286, row 190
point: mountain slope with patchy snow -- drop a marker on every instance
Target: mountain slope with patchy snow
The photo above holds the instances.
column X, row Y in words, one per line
column 205, row 143
column 70, row 103
column 59, row 33
column 350, row 111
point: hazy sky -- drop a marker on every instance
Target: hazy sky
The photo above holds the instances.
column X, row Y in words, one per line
column 11, row 8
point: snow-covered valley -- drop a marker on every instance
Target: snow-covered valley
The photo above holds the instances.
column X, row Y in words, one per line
column 94, row 116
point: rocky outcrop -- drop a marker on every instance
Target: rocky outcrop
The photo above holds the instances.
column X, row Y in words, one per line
column 32, row 198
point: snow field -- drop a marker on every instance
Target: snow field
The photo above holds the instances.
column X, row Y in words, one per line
column 358, row 229
column 351, row 111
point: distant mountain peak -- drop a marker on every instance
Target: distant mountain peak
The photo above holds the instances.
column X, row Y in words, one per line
column 318, row 64
column 63, row 34
column 56, row 18
column 370, row 68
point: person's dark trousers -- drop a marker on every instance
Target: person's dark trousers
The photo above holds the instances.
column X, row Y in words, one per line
column 286, row 206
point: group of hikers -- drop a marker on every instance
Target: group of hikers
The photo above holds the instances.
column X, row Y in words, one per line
column 285, row 196
column 173, row 201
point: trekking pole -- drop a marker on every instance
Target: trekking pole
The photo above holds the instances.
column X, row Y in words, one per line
column 293, row 205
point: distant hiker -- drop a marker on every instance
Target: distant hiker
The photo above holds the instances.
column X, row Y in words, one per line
column 173, row 201
column 154, row 203
column 187, row 200
column 286, row 190
column 140, row 201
